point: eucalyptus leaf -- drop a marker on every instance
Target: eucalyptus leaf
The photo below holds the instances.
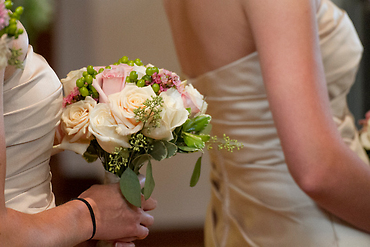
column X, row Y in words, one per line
column 130, row 187
column 149, row 181
column 171, row 149
column 159, row 151
column 139, row 161
column 196, row 172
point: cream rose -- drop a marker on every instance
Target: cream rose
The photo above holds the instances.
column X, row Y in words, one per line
column 193, row 99
column 103, row 127
column 69, row 83
column 123, row 105
column 74, row 123
column 173, row 114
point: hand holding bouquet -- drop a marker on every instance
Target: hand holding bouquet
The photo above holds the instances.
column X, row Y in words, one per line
column 127, row 114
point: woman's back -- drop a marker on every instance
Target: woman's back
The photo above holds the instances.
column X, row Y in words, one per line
column 255, row 201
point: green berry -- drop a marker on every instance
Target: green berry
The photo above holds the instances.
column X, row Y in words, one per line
column 124, row 59
column 12, row 21
column 90, row 69
column 155, row 70
column 80, row 82
column 84, row 74
column 101, row 70
column 92, row 89
column 133, row 76
column 84, row 91
column 128, row 79
column 108, row 67
column 8, row 4
column 147, row 78
column 149, row 71
column 155, row 87
column 12, row 29
column 138, row 62
column 131, row 63
column 140, row 83
column 19, row 10
column 89, row 79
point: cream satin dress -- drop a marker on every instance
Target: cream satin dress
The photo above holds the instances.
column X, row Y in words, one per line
column 32, row 108
column 254, row 200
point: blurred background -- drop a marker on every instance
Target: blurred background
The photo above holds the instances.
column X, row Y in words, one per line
column 72, row 34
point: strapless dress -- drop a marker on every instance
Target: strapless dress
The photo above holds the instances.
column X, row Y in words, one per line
column 254, row 199
column 32, row 108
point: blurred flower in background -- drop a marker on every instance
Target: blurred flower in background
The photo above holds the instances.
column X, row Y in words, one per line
column 37, row 17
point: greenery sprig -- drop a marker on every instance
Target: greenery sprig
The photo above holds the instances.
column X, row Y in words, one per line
column 149, row 113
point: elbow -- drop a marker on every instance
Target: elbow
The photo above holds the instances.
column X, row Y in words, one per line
column 312, row 185
column 315, row 178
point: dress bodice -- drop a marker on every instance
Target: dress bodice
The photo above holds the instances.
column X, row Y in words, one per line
column 255, row 201
column 32, row 107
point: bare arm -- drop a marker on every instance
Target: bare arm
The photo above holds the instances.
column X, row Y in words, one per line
column 285, row 34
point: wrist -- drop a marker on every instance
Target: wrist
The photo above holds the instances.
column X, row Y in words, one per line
column 83, row 217
column 92, row 215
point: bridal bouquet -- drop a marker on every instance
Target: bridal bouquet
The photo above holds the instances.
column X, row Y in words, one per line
column 127, row 114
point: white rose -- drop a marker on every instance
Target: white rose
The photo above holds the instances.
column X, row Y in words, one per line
column 69, row 83
column 193, row 99
column 75, row 123
column 103, row 127
column 173, row 114
column 123, row 105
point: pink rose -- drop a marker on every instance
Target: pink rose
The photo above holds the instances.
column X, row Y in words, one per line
column 194, row 100
column 111, row 81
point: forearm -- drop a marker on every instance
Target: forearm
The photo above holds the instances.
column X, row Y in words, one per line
column 65, row 225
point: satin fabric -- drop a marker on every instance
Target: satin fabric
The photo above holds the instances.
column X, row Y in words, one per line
column 32, row 108
column 254, row 200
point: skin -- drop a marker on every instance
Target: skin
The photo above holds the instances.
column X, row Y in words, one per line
column 70, row 224
column 284, row 33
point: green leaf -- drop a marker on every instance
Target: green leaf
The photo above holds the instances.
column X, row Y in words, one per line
column 171, row 149
column 192, row 140
column 130, row 187
column 159, row 151
column 207, row 130
column 204, row 138
column 149, row 181
column 197, row 124
column 90, row 157
column 188, row 149
column 196, row 172
column 91, row 154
